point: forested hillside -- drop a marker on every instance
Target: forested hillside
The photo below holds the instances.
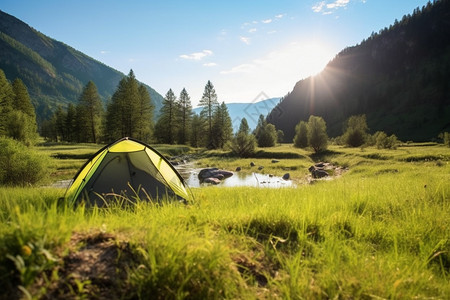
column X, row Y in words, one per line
column 53, row 72
column 398, row 77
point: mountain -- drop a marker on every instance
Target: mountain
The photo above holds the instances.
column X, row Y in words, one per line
column 53, row 72
column 249, row 111
column 398, row 77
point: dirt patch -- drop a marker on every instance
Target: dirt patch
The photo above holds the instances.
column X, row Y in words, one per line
column 95, row 268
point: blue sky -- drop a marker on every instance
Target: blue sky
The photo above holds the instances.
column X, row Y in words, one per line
column 249, row 49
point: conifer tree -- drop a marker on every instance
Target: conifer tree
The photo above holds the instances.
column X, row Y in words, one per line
column 122, row 117
column 184, row 116
column 144, row 125
column 72, row 124
column 6, row 99
column 22, row 124
column 166, row 127
column 89, row 114
column 209, row 103
column 244, row 143
column 197, row 131
column 222, row 129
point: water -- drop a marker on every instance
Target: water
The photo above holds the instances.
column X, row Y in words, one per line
column 238, row 179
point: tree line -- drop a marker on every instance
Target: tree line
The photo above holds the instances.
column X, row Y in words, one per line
column 130, row 113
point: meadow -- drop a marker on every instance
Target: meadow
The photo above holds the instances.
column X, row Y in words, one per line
column 379, row 230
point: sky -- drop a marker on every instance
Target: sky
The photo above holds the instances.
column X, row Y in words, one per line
column 250, row 50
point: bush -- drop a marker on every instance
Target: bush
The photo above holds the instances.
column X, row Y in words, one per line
column 382, row 141
column 301, row 135
column 243, row 144
column 20, row 165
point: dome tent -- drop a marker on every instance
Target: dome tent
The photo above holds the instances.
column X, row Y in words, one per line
column 128, row 168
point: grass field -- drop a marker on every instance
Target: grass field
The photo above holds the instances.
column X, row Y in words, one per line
column 381, row 230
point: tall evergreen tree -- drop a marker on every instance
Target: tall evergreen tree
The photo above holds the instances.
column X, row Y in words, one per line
column 6, row 99
column 145, row 120
column 72, row 124
column 123, row 110
column 209, row 103
column 184, row 117
column 222, row 129
column 197, row 131
column 89, row 114
column 244, row 143
column 167, row 122
column 22, row 120
column 60, row 117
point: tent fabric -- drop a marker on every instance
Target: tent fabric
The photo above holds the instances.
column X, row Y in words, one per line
column 127, row 168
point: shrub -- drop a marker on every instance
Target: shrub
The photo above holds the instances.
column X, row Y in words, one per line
column 20, row 165
column 382, row 141
column 243, row 144
column 301, row 135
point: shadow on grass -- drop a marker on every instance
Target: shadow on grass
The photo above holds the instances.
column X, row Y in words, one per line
column 324, row 155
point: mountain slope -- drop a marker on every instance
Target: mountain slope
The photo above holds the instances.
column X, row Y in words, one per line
column 399, row 78
column 54, row 73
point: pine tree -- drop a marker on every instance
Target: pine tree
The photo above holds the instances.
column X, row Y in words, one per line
column 167, row 122
column 22, row 119
column 184, row 116
column 122, row 117
column 72, row 124
column 60, row 117
column 89, row 114
column 222, row 129
column 145, row 119
column 6, row 99
column 209, row 103
column 244, row 143
column 197, row 131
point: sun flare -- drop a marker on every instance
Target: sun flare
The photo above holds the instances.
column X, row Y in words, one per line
column 313, row 58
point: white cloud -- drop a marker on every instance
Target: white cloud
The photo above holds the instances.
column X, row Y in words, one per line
column 267, row 21
column 104, row 52
column 279, row 16
column 252, row 30
column 196, row 55
column 338, row 3
column 245, row 40
column 271, row 32
column 318, row 6
column 211, row 64
column 328, row 7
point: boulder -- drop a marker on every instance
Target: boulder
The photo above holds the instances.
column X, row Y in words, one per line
column 211, row 180
column 260, row 168
column 286, row 176
column 213, row 173
column 238, row 169
column 317, row 173
column 252, row 164
column 275, row 161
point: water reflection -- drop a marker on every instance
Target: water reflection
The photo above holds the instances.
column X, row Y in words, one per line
column 238, row 179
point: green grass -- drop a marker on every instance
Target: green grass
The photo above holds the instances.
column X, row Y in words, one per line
column 379, row 231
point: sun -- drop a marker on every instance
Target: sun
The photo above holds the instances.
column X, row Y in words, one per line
column 313, row 57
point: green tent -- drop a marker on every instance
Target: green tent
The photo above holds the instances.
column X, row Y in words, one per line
column 126, row 168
